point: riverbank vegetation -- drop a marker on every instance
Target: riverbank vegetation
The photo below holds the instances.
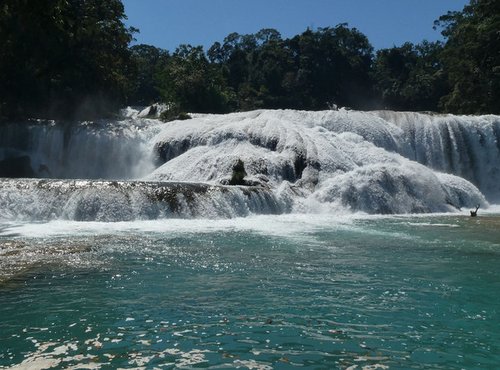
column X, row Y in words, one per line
column 72, row 59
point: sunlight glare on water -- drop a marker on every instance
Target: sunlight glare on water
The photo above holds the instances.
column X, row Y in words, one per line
column 263, row 292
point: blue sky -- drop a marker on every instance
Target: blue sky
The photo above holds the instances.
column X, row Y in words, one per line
column 168, row 23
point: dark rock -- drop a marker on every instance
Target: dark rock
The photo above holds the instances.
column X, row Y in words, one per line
column 16, row 167
column 169, row 150
column 153, row 110
column 44, row 171
column 299, row 165
column 239, row 174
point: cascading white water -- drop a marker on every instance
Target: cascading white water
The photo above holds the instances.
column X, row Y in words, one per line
column 466, row 146
column 90, row 150
column 333, row 160
column 329, row 161
column 86, row 200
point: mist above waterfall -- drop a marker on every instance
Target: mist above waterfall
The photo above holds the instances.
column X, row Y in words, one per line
column 327, row 161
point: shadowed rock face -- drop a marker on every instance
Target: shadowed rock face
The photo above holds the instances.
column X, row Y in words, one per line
column 87, row 200
column 16, row 167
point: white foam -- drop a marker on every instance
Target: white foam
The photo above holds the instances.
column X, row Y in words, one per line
column 292, row 224
column 364, row 161
column 309, row 162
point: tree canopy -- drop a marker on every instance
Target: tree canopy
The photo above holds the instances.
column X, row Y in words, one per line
column 337, row 66
column 410, row 77
column 72, row 59
column 62, row 58
column 309, row 71
column 471, row 57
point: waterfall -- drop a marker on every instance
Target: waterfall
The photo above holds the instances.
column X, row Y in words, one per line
column 296, row 161
column 86, row 200
column 466, row 146
column 375, row 162
column 91, row 150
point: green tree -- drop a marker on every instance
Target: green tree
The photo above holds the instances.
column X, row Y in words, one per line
column 148, row 61
column 308, row 71
column 472, row 57
column 271, row 79
column 333, row 66
column 192, row 84
column 239, row 174
column 62, row 58
column 410, row 77
column 233, row 59
column 392, row 70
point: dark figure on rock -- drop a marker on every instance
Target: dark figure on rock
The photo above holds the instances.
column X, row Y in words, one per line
column 239, row 174
column 474, row 213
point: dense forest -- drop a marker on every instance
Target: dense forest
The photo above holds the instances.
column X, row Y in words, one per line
column 72, row 59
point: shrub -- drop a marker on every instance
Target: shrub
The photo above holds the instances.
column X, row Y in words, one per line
column 239, row 174
column 173, row 113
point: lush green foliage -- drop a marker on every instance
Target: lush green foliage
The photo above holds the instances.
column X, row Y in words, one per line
column 62, row 58
column 336, row 66
column 191, row 83
column 148, row 62
column 471, row 57
column 309, row 71
column 173, row 113
column 410, row 77
column 71, row 59
column 239, row 173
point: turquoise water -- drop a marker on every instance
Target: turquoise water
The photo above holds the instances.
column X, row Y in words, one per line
column 266, row 292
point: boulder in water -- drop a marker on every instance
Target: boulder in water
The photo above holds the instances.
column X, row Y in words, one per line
column 239, row 173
